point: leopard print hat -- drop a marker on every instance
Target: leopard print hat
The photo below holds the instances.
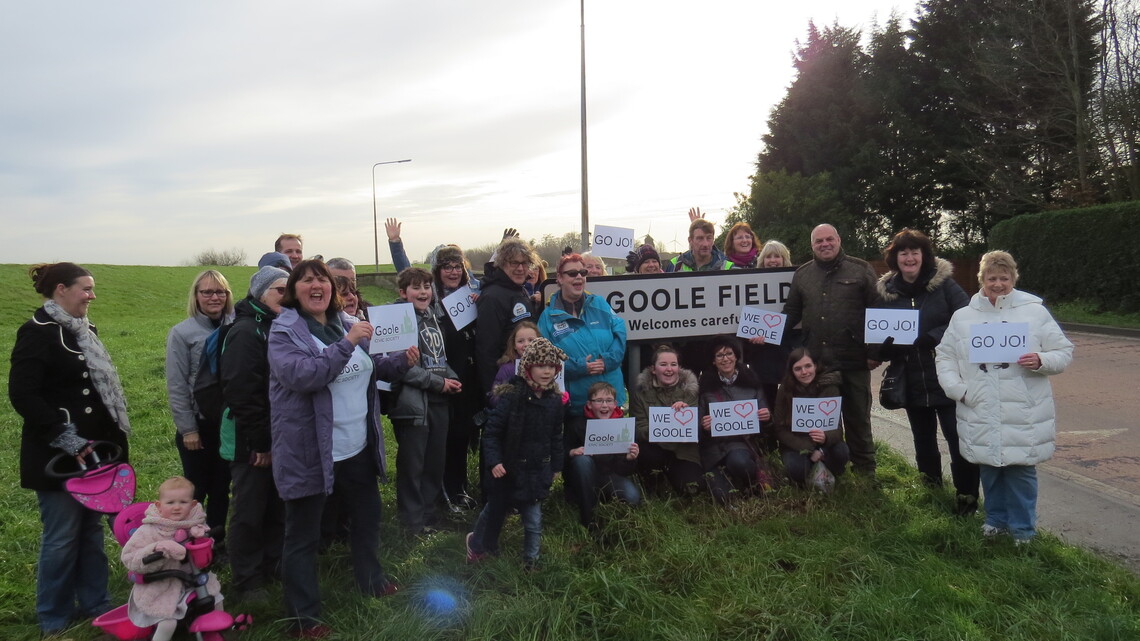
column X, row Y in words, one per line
column 541, row 352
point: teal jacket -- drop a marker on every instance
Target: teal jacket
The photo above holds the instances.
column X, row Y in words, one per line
column 599, row 332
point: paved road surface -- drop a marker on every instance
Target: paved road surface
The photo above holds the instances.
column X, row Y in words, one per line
column 1089, row 493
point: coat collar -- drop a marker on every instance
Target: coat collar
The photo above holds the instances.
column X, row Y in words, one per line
column 888, row 290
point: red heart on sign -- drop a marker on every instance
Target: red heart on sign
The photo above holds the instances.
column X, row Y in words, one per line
column 827, row 407
column 684, row 416
column 742, row 409
column 772, row 320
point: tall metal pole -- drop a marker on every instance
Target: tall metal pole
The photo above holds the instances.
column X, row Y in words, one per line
column 375, row 225
column 585, row 182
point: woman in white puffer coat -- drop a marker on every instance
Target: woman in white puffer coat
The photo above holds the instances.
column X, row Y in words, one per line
column 1006, row 419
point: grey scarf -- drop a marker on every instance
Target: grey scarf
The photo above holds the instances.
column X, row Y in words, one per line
column 103, row 373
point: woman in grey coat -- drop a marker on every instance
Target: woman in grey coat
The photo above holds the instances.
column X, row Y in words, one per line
column 209, row 305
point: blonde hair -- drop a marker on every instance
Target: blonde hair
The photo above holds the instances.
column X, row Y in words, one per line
column 175, row 483
column 192, row 306
column 774, row 247
column 996, row 260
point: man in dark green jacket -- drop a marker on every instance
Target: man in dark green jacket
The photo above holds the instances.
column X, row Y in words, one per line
column 830, row 295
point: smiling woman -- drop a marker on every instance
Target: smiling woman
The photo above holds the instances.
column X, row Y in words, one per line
column 64, row 386
column 209, row 305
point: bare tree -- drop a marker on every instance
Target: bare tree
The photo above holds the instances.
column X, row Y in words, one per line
column 222, row 258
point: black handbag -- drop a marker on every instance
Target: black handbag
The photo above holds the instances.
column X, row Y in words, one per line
column 892, row 392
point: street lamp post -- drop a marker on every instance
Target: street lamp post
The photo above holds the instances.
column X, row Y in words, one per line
column 375, row 224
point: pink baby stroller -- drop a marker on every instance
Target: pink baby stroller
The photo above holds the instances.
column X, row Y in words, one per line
column 201, row 620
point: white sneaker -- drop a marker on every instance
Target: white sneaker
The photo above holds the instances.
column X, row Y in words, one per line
column 990, row 531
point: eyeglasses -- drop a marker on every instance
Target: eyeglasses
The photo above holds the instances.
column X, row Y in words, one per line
column 575, row 272
column 210, row 293
column 519, row 263
column 724, row 356
column 451, row 267
column 279, row 290
column 602, row 401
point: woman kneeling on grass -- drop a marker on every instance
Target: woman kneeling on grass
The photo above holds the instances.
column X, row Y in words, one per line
column 800, row 450
column 666, row 384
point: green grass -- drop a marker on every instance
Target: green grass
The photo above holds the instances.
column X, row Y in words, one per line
column 1084, row 312
column 867, row 563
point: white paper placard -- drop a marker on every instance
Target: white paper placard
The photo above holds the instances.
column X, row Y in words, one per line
column 608, row 435
column 816, row 413
column 881, row 324
column 733, row 418
column 667, row 426
column 755, row 321
column 998, row 342
column 559, row 378
column 460, row 306
column 393, row 328
column 611, row 242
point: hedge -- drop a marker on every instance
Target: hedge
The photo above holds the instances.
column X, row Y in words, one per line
column 1090, row 254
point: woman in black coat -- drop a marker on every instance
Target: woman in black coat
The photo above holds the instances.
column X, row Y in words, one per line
column 63, row 384
column 918, row 280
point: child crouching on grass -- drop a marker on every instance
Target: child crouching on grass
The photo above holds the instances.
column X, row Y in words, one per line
column 163, row 603
column 522, row 447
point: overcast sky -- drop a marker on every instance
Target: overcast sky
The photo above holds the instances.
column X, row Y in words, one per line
column 137, row 132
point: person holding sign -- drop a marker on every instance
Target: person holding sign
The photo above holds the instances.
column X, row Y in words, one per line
column 326, row 436
column 590, row 479
column 732, row 461
column 767, row 360
column 421, row 412
column 666, row 384
column 917, row 280
column 800, row 450
column 523, row 452
column 586, row 328
column 451, row 273
column 830, row 295
column 1006, row 420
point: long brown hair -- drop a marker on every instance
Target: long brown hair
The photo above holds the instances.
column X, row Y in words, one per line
column 303, row 269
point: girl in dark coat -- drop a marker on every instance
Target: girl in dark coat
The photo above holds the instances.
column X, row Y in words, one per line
column 522, row 449
column 63, row 384
column 918, row 280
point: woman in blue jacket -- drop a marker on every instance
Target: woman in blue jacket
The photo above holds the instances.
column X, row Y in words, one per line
column 584, row 326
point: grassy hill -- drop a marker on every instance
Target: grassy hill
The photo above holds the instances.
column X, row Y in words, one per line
column 870, row 562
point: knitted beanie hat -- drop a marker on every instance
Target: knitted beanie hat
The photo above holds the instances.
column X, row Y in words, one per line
column 541, row 352
column 275, row 259
column 265, row 277
column 447, row 254
column 638, row 256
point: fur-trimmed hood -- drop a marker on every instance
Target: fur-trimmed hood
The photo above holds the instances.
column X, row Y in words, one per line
column 888, row 290
column 686, row 380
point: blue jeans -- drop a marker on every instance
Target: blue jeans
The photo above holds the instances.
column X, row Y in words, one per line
column 587, row 485
column 1011, row 498
column 72, row 566
column 490, row 524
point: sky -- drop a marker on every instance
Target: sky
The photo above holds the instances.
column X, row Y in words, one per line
column 141, row 132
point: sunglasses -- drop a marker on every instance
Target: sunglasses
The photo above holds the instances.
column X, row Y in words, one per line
column 575, row 272
column 279, row 290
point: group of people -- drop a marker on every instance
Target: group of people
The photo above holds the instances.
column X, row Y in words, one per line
column 300, row 446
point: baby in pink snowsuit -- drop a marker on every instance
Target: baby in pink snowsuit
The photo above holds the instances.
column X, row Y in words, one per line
column 163, row 603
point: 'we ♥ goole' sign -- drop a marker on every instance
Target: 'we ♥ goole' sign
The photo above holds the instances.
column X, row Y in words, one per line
column 755, row 322
column 731, row 418
column 816, row 413
column 667, row 426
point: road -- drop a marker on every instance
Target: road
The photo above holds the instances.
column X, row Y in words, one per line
column 1089, row 493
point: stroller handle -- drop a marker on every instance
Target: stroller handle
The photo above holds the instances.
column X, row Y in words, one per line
column 111, row 454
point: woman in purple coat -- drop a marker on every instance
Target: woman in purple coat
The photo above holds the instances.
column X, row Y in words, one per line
column 325, row 436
